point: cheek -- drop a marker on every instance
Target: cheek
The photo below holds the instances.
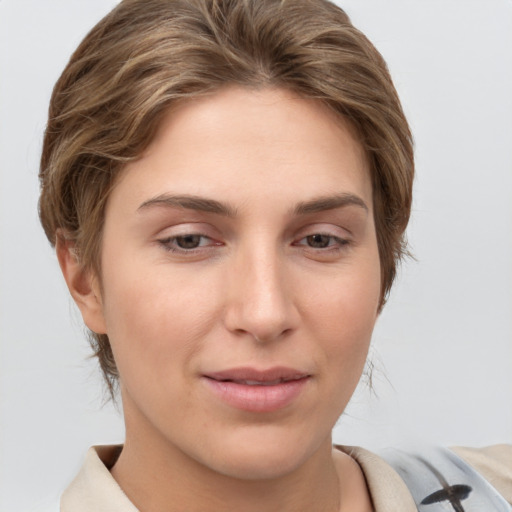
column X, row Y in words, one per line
column 156, row 317
column 342, row 315
column 345, row 303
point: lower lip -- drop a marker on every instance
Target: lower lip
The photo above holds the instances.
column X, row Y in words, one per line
column 257, row 398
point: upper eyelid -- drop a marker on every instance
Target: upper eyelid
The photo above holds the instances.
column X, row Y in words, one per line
column 324, row 228
column 183, row 235
column 187, row 228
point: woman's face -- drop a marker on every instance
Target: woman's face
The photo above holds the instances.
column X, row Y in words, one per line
column 240, row 281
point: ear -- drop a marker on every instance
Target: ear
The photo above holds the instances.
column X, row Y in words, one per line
column 82, row 284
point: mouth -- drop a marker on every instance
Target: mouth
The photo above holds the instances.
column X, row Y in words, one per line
column 255, row 390
column 257, row 382
column 253, row 376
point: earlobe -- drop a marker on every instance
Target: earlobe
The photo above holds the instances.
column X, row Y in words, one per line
column 83, row 285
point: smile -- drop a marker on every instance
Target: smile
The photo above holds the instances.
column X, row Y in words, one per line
column 257, row 391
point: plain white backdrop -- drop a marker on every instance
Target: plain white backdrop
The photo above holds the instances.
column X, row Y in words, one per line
column 443, row 345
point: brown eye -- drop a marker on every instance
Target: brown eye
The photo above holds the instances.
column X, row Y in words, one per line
column 188, row 241
column 319, row 241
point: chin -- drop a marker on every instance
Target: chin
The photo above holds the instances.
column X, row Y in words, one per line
column 262, row 465
column 263, row 455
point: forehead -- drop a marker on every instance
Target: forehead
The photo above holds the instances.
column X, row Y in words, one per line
column 240, row 144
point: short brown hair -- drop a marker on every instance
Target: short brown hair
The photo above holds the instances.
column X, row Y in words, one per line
column 147, row 54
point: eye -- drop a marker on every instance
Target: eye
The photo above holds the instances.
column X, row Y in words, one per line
column 322, row 241
column 187, row 242
column 319, row 241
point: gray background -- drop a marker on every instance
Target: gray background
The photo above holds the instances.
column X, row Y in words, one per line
column 443, row 345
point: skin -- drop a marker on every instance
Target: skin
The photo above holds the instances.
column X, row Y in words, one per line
column 280, row 278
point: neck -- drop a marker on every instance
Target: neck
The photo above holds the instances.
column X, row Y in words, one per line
column 167, row 480
column 157, row 476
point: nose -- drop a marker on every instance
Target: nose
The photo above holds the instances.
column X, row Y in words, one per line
column 260, row 301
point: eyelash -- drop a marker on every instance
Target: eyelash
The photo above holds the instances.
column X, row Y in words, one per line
column 167, row 243
column 338, row 243
column 334, row 243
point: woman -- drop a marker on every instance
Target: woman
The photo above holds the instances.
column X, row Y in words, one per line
column 227, row 185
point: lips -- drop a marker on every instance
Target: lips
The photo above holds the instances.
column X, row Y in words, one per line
column 258, row 382
column 255, row 390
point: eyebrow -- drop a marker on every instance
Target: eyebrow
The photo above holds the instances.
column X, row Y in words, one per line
column 189, row 202
column 324, row 203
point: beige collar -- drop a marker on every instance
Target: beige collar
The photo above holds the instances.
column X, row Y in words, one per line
column 94, row 488
column 388, row 491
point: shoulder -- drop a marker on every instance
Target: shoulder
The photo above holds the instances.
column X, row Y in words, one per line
column 494, row 463
column 387, row 490
column 386, row 473
column 94, row 488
